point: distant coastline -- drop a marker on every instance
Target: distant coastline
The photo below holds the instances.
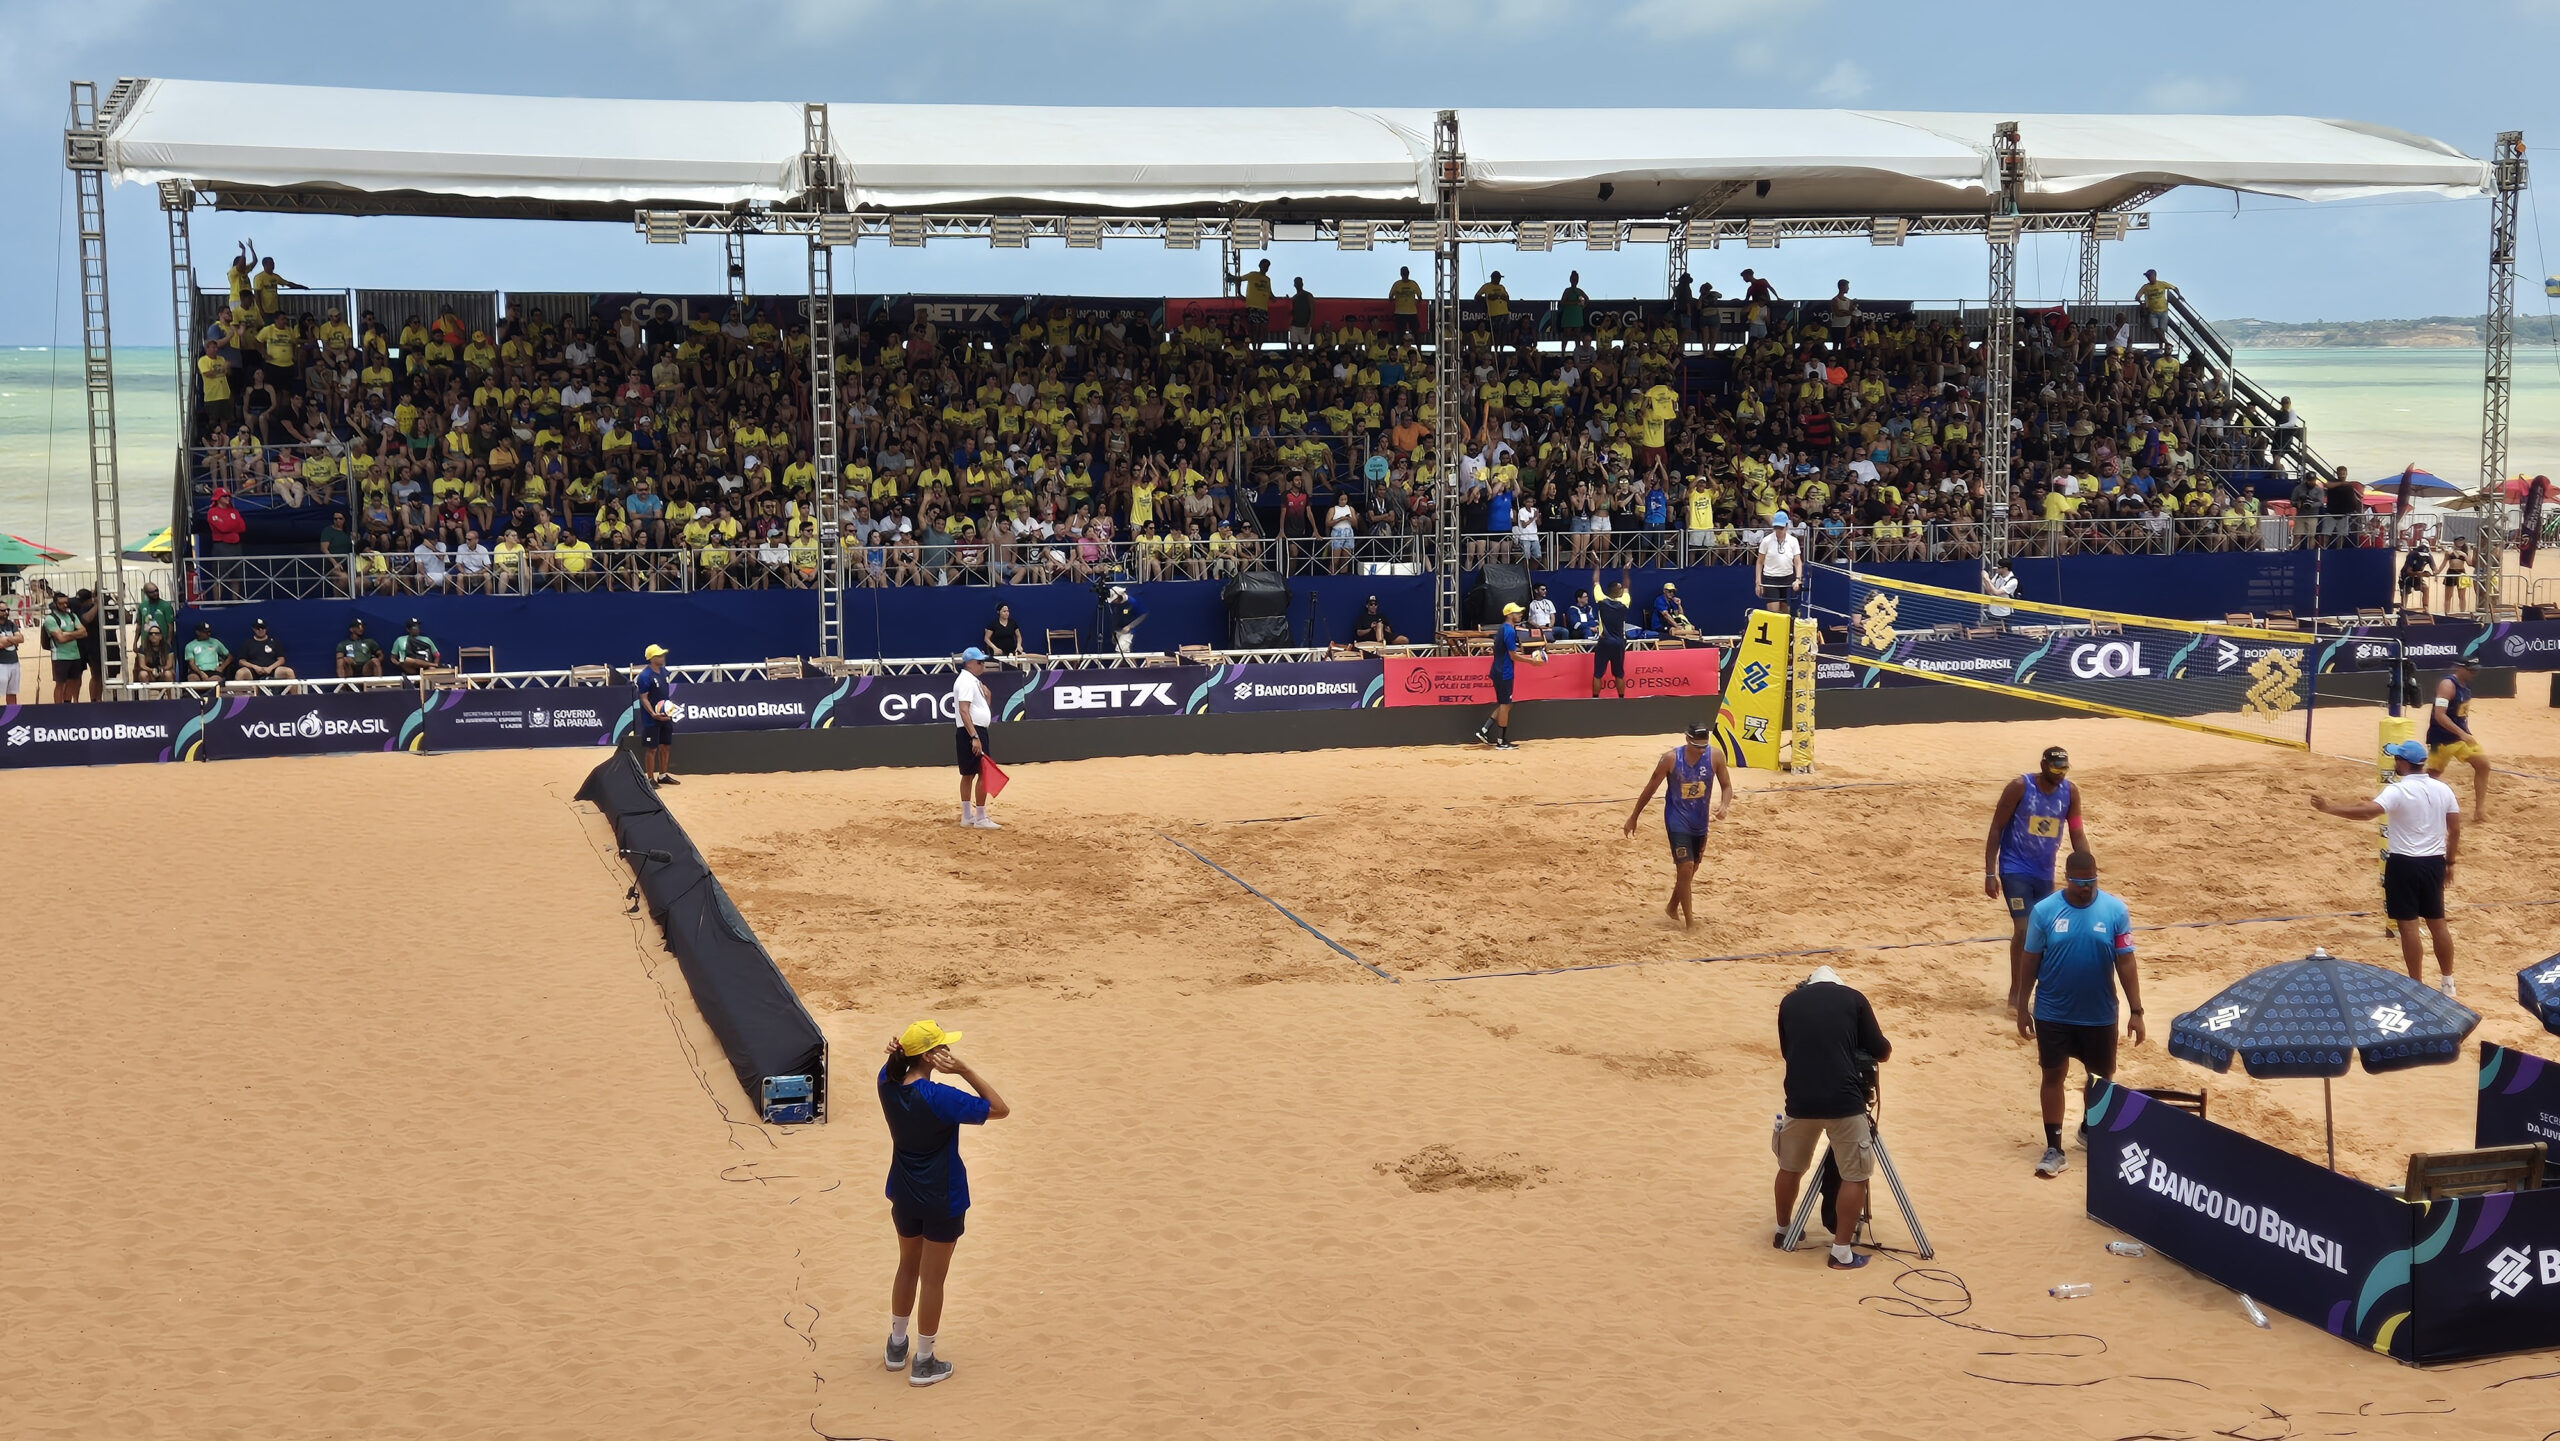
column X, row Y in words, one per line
column 2432, row 332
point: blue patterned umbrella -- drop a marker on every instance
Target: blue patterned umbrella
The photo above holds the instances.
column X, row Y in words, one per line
column 2309, row 1017
column 2538, row 988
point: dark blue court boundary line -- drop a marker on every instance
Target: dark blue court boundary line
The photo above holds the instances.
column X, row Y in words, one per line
column 1927, row 945
column 1338, row 948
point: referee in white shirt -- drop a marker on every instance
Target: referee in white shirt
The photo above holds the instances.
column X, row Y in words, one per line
column 1781, row 564
column 2422, row 824
column 972, row 720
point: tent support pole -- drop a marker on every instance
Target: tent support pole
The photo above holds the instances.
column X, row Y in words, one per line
column 2000, row 341
column 1449, row 165
column 84, row 154
column 2329, row 1121
column 177, row 201
column 818, row 180
column 2509, row 173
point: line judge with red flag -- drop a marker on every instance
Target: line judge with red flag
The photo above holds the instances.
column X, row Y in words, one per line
column 973, row 719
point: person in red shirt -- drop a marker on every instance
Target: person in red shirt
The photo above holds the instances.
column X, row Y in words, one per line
column 225, row 528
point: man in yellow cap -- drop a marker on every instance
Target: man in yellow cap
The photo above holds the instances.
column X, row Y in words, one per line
column 657, row 715
column 1496, row 731
column 928, row 1187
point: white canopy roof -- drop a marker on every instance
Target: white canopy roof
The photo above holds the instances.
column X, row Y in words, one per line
column 393, row 151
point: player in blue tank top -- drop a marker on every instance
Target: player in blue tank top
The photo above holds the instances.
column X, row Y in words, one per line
column 2450, row 737
column 2018, row 855
column 1700, row 789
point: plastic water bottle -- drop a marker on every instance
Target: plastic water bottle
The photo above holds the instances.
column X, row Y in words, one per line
column 2127, row 1248
column 2070, row 1291
column 2257, row 1317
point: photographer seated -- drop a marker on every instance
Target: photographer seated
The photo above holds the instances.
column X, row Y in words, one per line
column 1828, row 1034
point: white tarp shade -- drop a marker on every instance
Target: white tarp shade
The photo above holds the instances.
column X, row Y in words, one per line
column 1521, row 163
column 491, row 147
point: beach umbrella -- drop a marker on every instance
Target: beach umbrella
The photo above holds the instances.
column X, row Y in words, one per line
column 155, row 546
column 18, row 550
column 2538, row 989
column 2517, row 486
column 2314, row 1016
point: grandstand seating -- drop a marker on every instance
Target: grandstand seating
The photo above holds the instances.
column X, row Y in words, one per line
column 669, row 450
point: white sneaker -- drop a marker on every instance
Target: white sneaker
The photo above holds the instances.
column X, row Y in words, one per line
column 2446, row 986
column 987, row 822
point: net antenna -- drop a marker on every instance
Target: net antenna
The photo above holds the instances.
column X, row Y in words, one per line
column 2244, row 682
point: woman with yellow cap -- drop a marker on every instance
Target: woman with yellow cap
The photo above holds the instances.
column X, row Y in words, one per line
column 928, row 1187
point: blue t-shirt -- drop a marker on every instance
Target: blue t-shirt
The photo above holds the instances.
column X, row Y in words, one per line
column 1498, row 515
column 925, row 1173
column 656, row 687
column 1613, row 619
column 1505, row 641
column 2076, row 948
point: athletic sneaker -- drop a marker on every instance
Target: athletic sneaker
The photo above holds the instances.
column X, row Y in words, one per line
column 896, row 1355
column 1484, row 735
column 1504, row 745
column 987, row 822
column 667, row 780
column 928, row 1370
column 1856, row 1260
column 2053, row 1164
column 2447, row 988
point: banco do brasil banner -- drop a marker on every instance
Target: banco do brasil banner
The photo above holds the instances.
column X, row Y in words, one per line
column 92, row 734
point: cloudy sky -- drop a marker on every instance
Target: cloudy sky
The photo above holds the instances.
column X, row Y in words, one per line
column 2459, row 72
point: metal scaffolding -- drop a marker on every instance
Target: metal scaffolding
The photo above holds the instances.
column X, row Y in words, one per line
column 2089, row 293
column 2000, row 345
column 1449, row 177
column 2509, row 173
column 827, row 197
column 734, row 260
column 84, row 153
column 177, row 201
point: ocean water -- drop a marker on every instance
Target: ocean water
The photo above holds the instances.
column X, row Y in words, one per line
column 2372, row 410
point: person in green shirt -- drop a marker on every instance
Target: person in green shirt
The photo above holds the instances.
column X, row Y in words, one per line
column 413, row 652
column 155, row 611
column 207, row 658
column 358, row 654
column 63, row 632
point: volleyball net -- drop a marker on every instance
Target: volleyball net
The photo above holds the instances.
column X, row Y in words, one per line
column 2246, row 682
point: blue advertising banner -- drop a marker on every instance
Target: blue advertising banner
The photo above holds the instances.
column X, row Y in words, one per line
column 1119, row 691
column 2519, row 1098
column 105, row 733
column 2523, row 644
column 891, row 700
column 751, row 705
column 304, row 725
column 2318, row 1246
column 498, row 719
column 988, row 316
column 1294, row 685
column 2488, row 1275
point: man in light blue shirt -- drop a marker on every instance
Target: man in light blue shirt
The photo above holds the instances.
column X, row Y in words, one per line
column 2080, row 943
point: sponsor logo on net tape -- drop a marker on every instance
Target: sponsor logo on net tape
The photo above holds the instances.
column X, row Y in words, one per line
column 2136, row 1166
column 2109, row 660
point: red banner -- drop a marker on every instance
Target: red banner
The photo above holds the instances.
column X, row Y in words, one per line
column 1226, row 313
column 1466, row 680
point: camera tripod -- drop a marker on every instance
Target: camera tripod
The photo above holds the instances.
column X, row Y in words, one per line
column 1864, row 1226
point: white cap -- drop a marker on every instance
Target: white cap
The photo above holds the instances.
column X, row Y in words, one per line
column 1823, row 976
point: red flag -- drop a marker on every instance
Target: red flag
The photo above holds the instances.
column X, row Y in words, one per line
column 993, row 776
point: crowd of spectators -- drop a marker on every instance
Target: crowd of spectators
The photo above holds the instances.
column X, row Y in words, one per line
column 639, row 453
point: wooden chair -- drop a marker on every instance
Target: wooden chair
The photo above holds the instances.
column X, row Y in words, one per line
column 2282, row 620
column 1061, row 641
column 2433, row 1176
column 782, row 667
column 439, row 678
column 487, row 655
column 1196, row 655
column 2238, row 617
column 2373, row 614
column 2191, row 1102
column 590, row 675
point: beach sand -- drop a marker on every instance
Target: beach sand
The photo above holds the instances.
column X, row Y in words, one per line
column 468, row 1180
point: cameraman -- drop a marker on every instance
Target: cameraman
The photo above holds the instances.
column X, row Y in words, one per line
column 1828, row 1034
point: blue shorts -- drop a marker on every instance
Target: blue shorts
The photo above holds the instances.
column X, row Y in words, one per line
column 1609, row 657
column 914, row 1221
column 1502, row 688
column 656, row 732
column 2022, row 892
column 1688, row 847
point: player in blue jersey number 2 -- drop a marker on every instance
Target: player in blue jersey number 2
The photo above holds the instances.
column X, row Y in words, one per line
column 2025, row 840
column 1698, row 780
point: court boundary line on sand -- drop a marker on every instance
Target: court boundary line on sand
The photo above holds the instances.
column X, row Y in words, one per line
column 1925, row 945
column 1337, row 946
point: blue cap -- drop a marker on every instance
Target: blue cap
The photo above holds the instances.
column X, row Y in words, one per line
column 2410, row 751
column 973, row 653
